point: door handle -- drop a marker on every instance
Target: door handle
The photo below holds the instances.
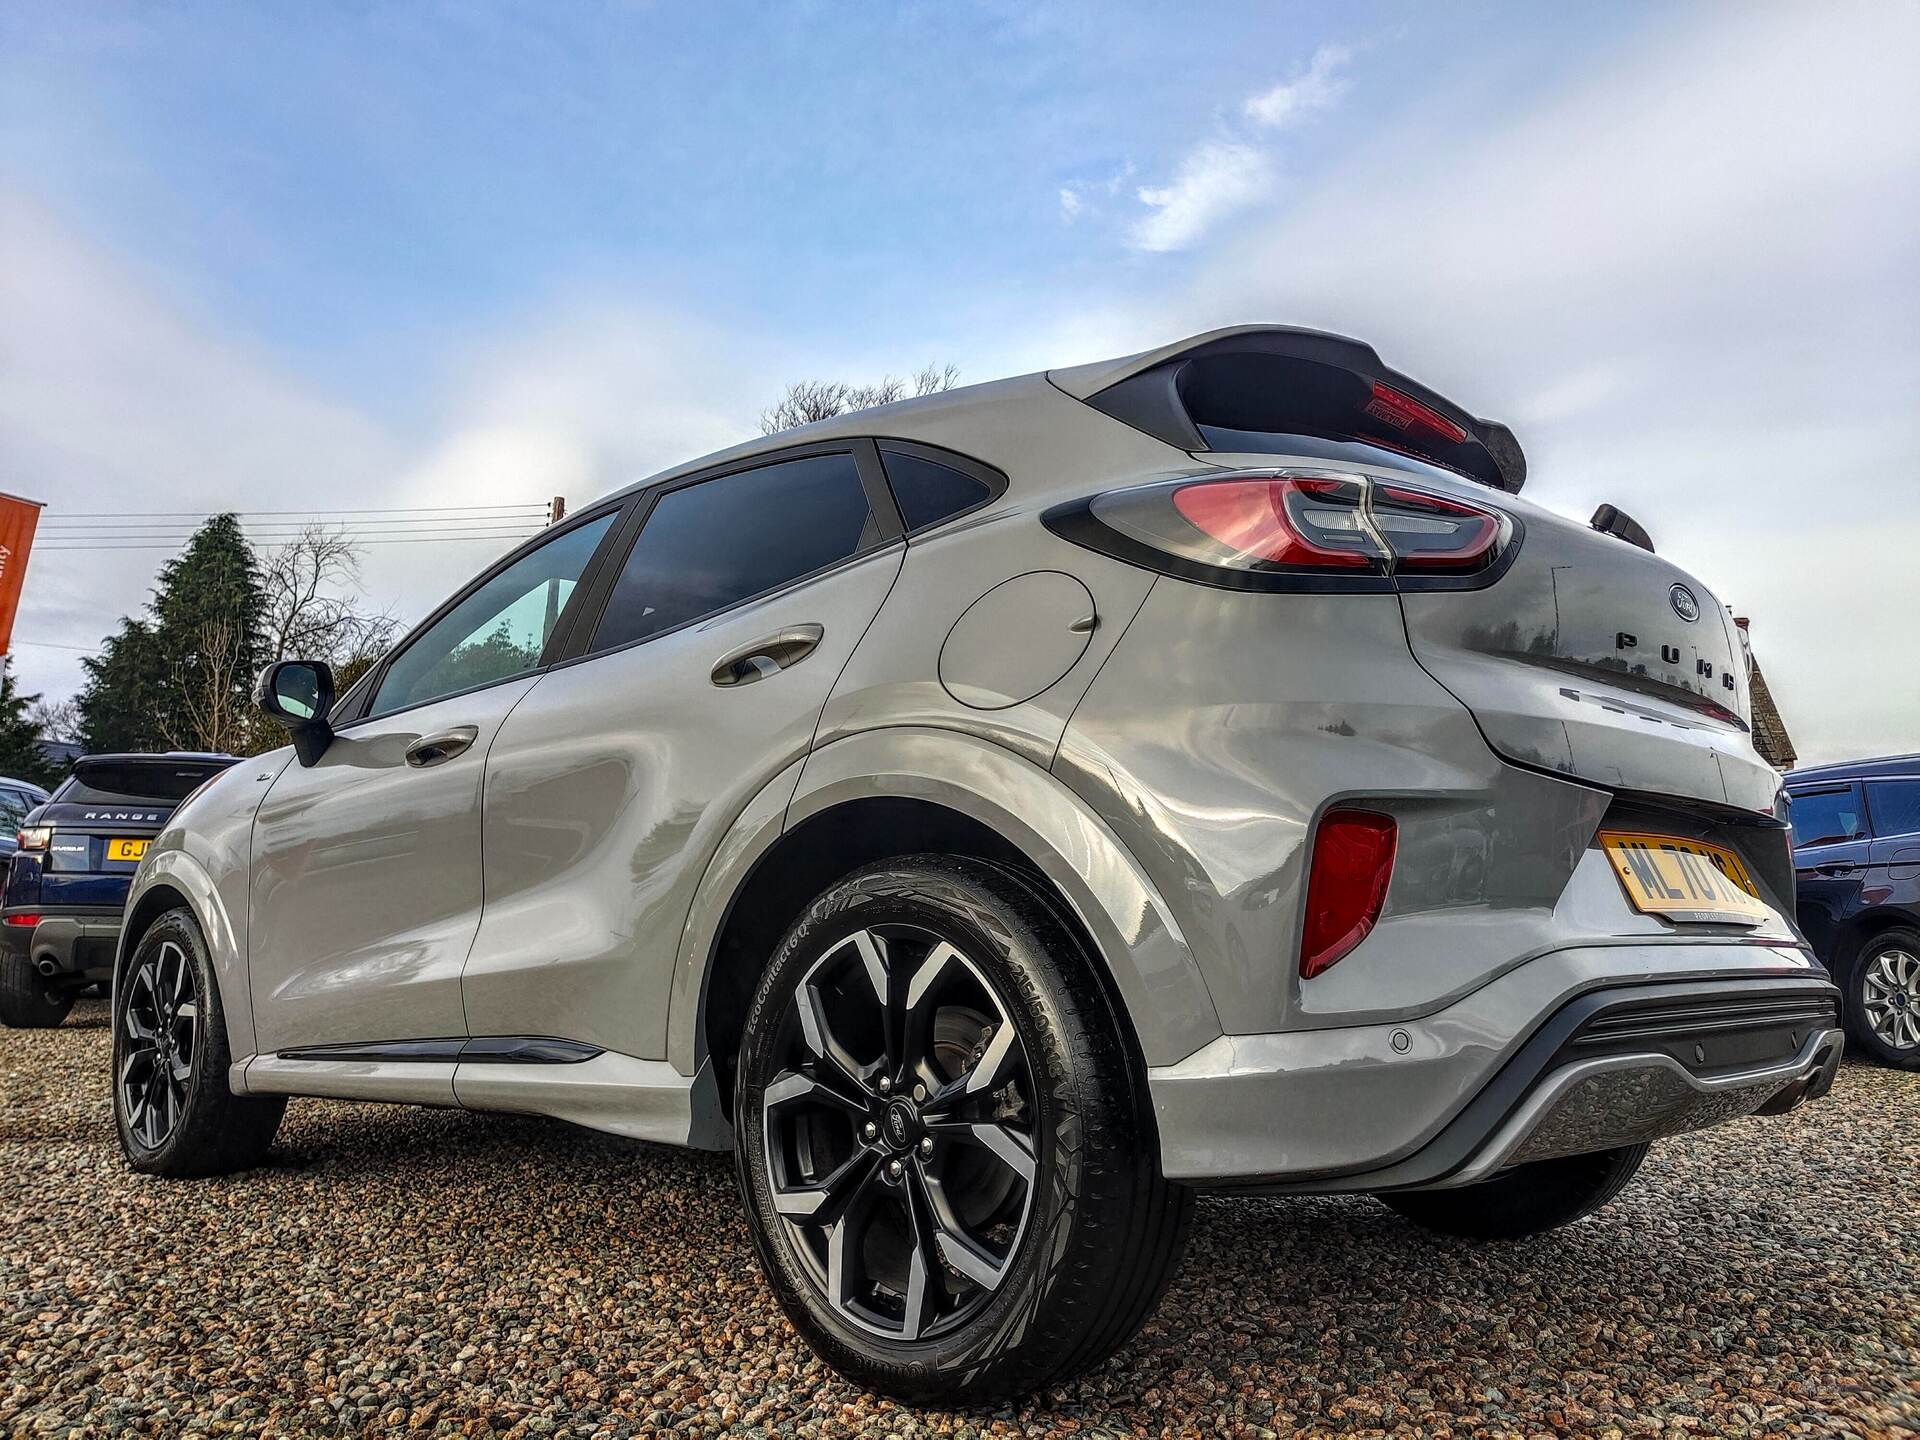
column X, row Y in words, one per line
column 441, row 746
column 1837, row 868
column 766, row 655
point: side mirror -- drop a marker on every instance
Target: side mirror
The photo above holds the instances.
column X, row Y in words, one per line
column 299, row 694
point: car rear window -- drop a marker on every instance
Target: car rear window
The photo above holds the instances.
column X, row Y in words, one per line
column 1270, row 404
column 147, row 781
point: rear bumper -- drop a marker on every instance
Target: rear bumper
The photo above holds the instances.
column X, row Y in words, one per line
column 1583, row 1049
column 71, row 943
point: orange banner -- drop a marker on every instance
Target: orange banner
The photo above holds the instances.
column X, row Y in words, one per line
column 18, row 520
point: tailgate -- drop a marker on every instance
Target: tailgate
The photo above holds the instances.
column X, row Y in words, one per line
column 1593, row 658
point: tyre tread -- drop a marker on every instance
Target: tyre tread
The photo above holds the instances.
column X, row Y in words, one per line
column 1127, row 1223
column 25, row 1001
column 220, row 1132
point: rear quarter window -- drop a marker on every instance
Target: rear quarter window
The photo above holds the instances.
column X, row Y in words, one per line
column 1895, row 806
column 928, row 492
column 1825, row 817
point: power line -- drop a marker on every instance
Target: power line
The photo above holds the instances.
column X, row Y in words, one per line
column 290, row 527
column 530, row 511
column 208, row 515
column 281, row 545
column 369, row 528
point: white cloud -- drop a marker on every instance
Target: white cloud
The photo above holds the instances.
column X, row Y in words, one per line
column 1318, row 87
column 1221, row 177
column 113, row 400
column 1084, row 198
column 1216, row 180
column 1693, row 299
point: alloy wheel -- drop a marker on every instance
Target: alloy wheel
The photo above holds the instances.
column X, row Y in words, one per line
column 161, row 1027
column 900, row 1132
column 1890, row 997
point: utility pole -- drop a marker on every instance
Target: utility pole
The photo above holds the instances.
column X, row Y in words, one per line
column 556, row 510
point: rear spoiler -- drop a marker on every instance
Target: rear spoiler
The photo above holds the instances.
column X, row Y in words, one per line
column 1281, row 380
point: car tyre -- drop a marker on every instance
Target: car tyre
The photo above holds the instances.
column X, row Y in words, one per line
column 944, row 1139
column 27, row 1001
column 172, row 1107
column 1882, row 998
column 1525, row 1200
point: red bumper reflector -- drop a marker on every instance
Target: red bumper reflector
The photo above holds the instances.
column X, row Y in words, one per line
column 24, row 921
column 1346, row 884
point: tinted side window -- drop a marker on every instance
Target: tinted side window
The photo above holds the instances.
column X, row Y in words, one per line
column 928, row 492
column 1824, row 816
column 496, row 632
column 714, row 544
column 1895, row 806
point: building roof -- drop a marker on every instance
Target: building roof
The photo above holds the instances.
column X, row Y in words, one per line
column 1770, row 736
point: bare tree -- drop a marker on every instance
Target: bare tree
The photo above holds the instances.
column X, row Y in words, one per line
column 310, row 585
column 56, row 719
column 810, row 400
column 213, row 713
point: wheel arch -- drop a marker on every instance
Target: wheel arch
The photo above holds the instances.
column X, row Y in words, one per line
column 172, row 879
column 1857, row 931
column 913, row 790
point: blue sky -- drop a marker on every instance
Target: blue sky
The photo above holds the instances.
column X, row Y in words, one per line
column 421, row 254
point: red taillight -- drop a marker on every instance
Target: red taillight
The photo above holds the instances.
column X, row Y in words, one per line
column 1287, row 520
column 1346, row 884
column 1402, row 412
column 26, row 922
column 1288, row 529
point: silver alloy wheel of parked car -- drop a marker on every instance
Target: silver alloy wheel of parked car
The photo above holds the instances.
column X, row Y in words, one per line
column 1890, row 996
column 905, row 1180
column 162, row 1021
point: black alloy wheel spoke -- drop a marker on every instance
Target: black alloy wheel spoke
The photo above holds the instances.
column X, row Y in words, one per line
column 901, row 1159
column 954, row 1247
column 160, row 1027
column 923, row 1259
column 833, row 1067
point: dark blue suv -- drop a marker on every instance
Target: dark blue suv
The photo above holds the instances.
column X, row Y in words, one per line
column 78, row 849
column 1856, row 860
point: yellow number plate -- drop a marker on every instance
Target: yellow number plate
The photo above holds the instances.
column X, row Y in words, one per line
column 127, row 849
column 1684, row 879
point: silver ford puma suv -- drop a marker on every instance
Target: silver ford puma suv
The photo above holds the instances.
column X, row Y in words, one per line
column 997, row 815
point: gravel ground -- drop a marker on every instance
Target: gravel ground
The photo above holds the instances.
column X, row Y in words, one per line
column 398, row 1270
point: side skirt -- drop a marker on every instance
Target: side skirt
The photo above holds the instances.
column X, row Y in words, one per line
column 600, row 1089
